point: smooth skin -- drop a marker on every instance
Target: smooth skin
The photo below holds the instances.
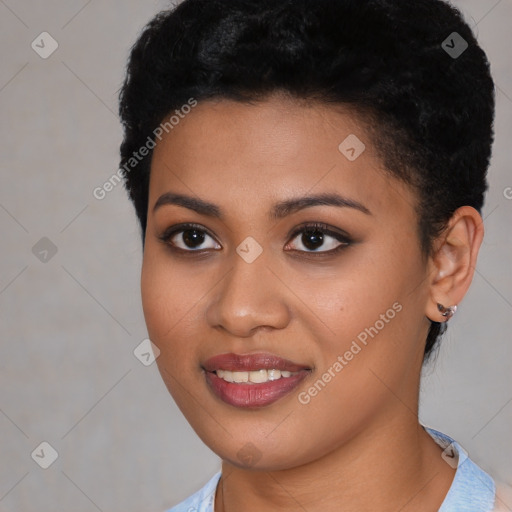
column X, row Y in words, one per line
column 358, row 442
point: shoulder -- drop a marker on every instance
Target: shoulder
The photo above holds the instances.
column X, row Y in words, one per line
column 202, row 500
column 472, row 489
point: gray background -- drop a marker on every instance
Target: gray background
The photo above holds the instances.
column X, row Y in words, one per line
column 68, row 326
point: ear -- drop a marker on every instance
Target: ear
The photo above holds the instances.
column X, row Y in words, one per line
column 452, row 263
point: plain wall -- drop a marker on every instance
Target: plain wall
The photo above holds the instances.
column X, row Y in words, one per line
column 69, row 326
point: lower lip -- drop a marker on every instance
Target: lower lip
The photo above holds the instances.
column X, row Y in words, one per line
column 253, row 395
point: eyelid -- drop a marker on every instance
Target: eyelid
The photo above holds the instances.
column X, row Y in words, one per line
column 183, row 226
column 320, row 226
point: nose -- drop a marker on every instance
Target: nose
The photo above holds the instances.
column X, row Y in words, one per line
column 250, row 297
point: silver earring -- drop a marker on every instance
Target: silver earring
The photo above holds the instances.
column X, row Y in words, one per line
column 446, row 312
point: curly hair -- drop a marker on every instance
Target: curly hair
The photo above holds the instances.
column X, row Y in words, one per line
column 429, row 111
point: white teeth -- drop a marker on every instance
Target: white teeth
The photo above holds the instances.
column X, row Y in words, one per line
column 275, row 374
column 258, row 376
column 226, row 375
column 240, row 376
column 255, row 376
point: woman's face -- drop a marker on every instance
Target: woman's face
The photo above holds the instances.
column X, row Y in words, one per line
column 338, row 308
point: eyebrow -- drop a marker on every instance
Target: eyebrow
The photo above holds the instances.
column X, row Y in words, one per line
column 278, row 211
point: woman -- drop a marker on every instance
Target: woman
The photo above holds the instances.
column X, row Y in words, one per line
column 309, row 177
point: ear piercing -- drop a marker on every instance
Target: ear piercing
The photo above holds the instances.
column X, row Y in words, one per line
column 446, row 312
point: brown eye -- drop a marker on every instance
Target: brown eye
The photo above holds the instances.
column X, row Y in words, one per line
column 318, row 238
column 192, row 238
column 312, row 239
column 188, row 237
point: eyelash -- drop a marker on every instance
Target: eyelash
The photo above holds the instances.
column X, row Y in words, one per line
column 308, row 227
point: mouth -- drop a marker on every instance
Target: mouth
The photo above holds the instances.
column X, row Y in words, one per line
column 253, row 380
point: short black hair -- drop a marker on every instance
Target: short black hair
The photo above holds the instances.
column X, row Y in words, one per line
column 412, row 71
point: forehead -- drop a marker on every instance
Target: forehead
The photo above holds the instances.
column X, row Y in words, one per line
column 246, row 156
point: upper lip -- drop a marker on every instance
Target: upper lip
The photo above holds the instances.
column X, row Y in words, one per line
column 251, row 362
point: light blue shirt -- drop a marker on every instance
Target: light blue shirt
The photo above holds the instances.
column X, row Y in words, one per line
column 472, row 489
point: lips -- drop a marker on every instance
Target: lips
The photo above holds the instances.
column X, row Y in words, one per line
column 231, row 377
column 251, row 362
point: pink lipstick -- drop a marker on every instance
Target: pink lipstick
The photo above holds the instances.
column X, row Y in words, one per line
column 253, row 380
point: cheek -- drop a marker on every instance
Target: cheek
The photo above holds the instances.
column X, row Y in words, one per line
column 157, row 303
column 357, row 292
column 168, row 305
column 169, row 315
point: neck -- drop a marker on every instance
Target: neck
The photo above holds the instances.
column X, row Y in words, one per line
column 395, row 465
